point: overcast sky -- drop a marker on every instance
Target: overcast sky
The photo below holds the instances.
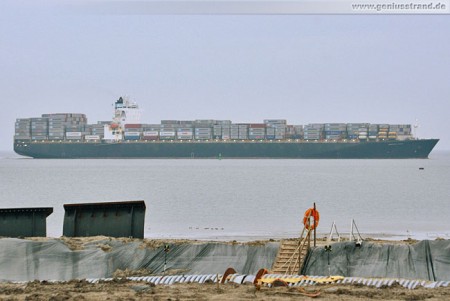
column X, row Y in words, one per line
column 303, row 68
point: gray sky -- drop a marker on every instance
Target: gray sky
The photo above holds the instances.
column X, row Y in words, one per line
column 303, row 68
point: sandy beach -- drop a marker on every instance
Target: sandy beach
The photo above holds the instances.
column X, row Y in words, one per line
column 120, row 289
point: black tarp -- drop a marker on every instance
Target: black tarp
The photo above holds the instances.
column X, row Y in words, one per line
column 51, row 259
column 428, row 260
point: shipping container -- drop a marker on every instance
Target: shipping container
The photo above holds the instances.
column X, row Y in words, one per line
column 73, row 134
column 256, row 137
column 204, row 122
column 223, row 122
column 275, row 121
column 169, row 122
column 167, row 135
column 151, row 133
column 133, row 126
column 132, row 137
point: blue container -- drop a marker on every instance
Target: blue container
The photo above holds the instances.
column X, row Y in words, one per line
column 132, row 137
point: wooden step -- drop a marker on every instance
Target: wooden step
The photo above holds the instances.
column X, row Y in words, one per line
column 289, row 253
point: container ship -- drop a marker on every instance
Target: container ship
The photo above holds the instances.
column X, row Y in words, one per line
column 69, row 135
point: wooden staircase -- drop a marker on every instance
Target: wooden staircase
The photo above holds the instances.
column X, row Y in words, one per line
column 291, row 255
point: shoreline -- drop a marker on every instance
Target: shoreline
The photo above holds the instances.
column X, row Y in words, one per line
column 320, row 236
column 249, row 238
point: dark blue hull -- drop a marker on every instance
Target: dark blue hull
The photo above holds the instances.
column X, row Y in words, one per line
column 289, row 150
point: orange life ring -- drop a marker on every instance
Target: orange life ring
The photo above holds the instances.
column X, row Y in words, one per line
column 315, row 214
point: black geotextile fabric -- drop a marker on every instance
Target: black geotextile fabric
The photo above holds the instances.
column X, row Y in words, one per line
column 26, row 260
column 428, row 260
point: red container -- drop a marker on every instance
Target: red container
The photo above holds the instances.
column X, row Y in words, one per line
column 133, row 126
column 150, row 137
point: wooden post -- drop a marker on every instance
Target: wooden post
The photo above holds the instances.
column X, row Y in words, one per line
column 314, row 224
column 309, row 233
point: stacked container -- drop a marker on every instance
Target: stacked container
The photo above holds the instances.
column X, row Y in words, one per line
column 133, row 131
column 234, row 132
column 221, row 129
column 150, row 131
column 56, row 126
column 168, row 129
column 313, row 131
column 185, row 133
column 373, row 131
column 383, row 130
column 402, row 131
column 243, row 131
column 217, row 131
column 39, row 128
column 70, row 126
column 275, row 128
column 335, row 131
column 353, row 129
column 99, row 128
column 203, row 133
column 226, row 132
column 150, row 135
column 280, row 131
column 256, row 131
column 23, row 129
column 270, row 132
column 298, row 132
column 362, row 133
column 290, row 132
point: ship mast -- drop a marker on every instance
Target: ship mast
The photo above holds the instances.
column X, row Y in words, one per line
column 416, row 126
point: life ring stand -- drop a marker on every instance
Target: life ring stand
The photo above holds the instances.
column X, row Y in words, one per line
column 315, row 214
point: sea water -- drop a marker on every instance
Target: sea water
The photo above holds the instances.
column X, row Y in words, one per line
column 243, row 199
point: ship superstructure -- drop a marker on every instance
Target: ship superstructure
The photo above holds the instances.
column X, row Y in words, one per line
column 125, row 112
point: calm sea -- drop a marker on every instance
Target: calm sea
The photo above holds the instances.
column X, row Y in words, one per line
column 243, row 199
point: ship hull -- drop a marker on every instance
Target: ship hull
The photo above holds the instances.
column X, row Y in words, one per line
column 277, row 150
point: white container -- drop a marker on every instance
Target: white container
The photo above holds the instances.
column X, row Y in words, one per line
column 151, row 133
column 73, row 134
column 132, row 134
column 167, row 134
